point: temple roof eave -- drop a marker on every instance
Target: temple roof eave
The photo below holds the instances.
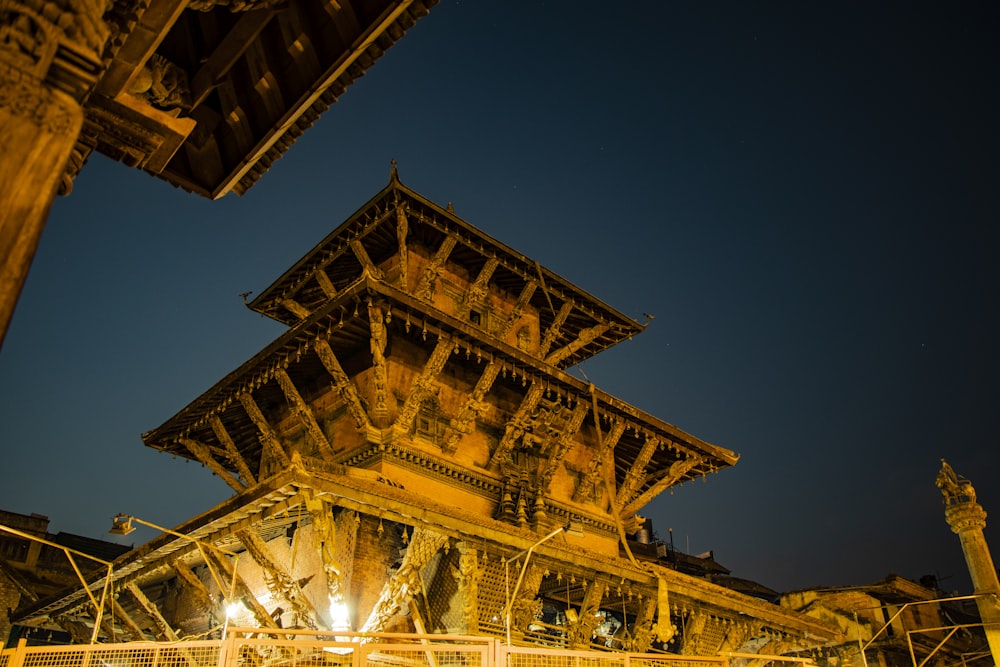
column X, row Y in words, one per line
column 324, row 322
column 381, row 207
column 282, row 492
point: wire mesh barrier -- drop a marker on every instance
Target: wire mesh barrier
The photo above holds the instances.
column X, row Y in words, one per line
column 286, row 648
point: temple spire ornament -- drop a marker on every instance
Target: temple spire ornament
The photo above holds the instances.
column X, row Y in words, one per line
column 967, row 519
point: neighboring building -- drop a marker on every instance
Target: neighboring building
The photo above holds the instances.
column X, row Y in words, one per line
column 901, row 623
column 31, row 570
column 398, row 453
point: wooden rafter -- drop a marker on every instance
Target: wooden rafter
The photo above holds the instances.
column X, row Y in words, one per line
column 295, row 308
column 234, row 455
column 586, row 490
column 204, row 454
column 163, row 628
column 667, row 479
column 423, row 386
column 242, row 591
column 425, row 288
column 324, row 282
column 555, row 328
column 198, row 589
column 368, row 266
column 562, row 445
column 343, row 384
column 522, row 302
column 472, row 409
column 125, row 619
column 637, row 473
column 479, row 288
column 225, row 55
column 517, row 424
column 586, row 336
column 279, row 582
column 304, row 413
column 269, row 439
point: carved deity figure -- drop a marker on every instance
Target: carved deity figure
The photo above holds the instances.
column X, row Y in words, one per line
column 954, row 488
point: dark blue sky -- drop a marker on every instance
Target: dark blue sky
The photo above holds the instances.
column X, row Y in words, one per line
column 805, row 195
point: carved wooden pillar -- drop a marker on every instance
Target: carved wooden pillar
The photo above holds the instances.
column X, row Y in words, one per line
column 49, row 61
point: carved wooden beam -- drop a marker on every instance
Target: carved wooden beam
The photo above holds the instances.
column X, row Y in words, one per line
column 522, row 302
column 278, row 580
column 234, row 455
column 472, row 410
column 562, row 445
column 242, row 591
column 480, row 286
column 325, row 283
column 423, row 386
column 642, row 635
column 163, row 628
column 585, row 337
column 670, row 477
column 304, row 413
column 343, row 384
column 586, row 490
column 637, row 473
column 204, row 454
column 428, row 280
column 402, row 227
column 78, row 630
column 337, row 539
column 467, row 576
column 268, row 438
column 295, row 308
column 202, row 597
column 126, row 620
column 405, row 581
column 580, row 632
column 380, row 371
column 553, row 331
column 517, row 424
column 524, row 609
column 225, row 55
column 367, row 265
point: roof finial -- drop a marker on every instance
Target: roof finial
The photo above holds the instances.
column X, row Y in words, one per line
column 394, row 174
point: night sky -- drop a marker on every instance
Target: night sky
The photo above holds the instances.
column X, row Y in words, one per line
column 805, row 195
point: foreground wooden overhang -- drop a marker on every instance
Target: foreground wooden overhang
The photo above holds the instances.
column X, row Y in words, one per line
column 645, row 452
column 207, row 94
column 333, row 263
column 276, row 503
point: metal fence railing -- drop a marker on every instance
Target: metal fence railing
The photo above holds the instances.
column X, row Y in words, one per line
column 288, row 648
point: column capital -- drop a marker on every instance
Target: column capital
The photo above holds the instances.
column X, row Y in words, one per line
column 963, row 517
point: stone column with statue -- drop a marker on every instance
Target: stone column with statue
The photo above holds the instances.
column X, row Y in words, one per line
column 967, row 519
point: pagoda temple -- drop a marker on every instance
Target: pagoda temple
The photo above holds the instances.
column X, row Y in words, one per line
column 412, row 456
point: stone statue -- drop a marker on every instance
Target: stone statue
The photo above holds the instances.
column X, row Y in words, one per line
column 954, row 489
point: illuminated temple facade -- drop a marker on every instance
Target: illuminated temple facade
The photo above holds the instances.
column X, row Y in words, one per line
column 396, row 452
